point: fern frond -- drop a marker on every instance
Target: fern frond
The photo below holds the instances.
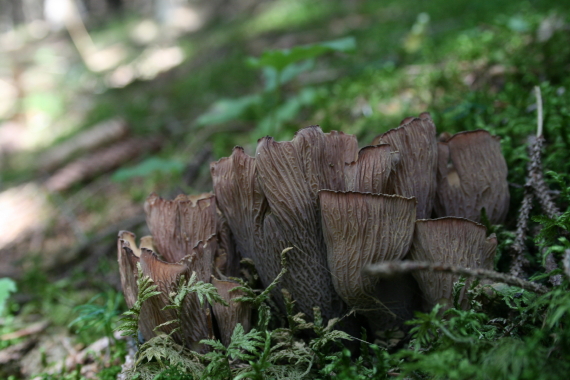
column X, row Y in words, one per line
column 163, row 350
column 257, row 300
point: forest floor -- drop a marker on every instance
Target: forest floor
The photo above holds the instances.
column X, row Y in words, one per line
column 89, row 129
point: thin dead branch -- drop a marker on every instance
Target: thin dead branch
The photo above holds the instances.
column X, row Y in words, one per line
column 401, row 267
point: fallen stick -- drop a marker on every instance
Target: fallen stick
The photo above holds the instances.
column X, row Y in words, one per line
column 400, row 267
column 28, row 330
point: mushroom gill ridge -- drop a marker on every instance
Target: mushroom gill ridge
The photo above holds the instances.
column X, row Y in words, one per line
column 415, row 176
column 450, row 240
column 361, row 229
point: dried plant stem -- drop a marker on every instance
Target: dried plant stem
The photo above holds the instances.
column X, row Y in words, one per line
column 518, row 259
column 536, row 179
column 400, row 267
column 539, row 117
column 550, row 265
column 534, row 186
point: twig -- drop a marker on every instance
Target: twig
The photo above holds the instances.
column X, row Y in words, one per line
column 534, row 184
column 518, row 259
column 539, row 120
column 400, row 267
column 536, row 179
column 29, row 330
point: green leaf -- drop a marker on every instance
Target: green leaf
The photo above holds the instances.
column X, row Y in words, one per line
column 280, row 59
column 7, row 286
column 147, row 167
column 227, row 110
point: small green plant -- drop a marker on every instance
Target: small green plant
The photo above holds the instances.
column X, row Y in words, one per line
column 7, row 286
column 99, row 315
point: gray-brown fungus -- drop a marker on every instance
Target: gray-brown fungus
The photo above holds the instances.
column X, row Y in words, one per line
column 450, row 240
column 472, row 175
column 362, row 229
column 415, row 175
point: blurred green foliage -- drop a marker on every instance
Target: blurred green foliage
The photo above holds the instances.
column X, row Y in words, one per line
column 7, row 286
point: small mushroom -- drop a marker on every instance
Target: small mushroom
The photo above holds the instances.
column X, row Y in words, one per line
column 186, row 236
column 195, row 321
column 362, row 229
column 472, row 175
column 450, row 240
column 129, row 257
column 415, row 175
column 229, row 316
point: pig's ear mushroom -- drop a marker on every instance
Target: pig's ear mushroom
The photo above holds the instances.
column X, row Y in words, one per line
column 454, row 241
column 128, row 254
column 415, row 175
column 362, row 229
column 472, row 175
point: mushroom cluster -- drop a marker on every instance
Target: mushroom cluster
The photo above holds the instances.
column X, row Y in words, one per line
column 340, row 209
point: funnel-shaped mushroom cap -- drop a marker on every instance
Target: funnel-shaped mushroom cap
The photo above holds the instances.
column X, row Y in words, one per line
column 371, row 172
column 362, row 229
column 290, row 174
column 245, row 208
column 455, row 241
column 236, row 312
column 415, row 175
column 240, row 199
column 472, row 174
column 178, row 225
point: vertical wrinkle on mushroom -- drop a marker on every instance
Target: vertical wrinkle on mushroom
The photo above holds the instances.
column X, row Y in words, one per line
column 361, row 229
column 323, row 157
column 177, row 225
column 415, row 175
column 196, row 319
column 128, row 260
column 241, row 201
column 450, row 240
column 488, row 252
column 472, row 175
column 226, row 259
column 290, row 174
column 229, row 316
column 269, row 265
column 371, row 171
